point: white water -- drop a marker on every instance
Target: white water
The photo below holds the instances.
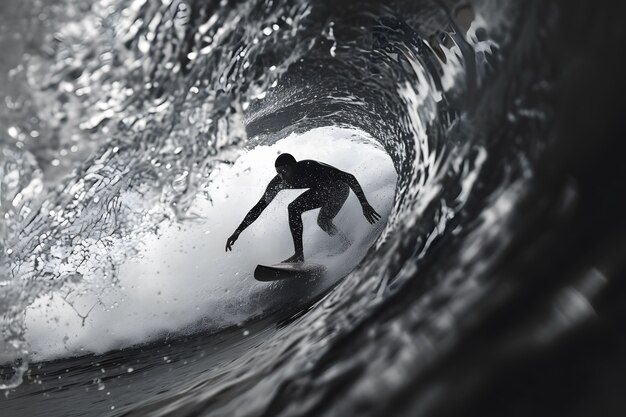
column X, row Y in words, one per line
column 183, row 278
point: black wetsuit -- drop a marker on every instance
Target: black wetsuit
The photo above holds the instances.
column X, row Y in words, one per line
column 328, row 188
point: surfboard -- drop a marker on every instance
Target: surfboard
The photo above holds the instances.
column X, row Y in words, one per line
column 288, row 271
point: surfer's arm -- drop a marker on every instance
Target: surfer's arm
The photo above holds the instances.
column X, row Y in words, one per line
column 354, row 185
column 270, row 192
column 328, row 172
column 368, row 211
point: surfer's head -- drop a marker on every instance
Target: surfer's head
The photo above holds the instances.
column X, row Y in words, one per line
column 285, row 166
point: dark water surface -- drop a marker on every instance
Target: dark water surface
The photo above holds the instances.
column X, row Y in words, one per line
column 496, row 287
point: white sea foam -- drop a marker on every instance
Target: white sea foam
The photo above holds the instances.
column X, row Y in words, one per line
column 183, row 278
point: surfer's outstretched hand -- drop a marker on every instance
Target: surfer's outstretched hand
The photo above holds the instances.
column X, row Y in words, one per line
column 370, row 214
column 231, row 241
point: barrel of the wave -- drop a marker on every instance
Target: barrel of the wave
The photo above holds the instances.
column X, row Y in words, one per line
column 181, row 280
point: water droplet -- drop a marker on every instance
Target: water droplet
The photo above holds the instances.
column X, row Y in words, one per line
column 13, row 132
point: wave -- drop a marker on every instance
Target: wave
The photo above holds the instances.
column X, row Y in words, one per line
column 164, row 96
column 155, row 122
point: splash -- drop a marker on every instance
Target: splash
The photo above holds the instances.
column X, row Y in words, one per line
column 181, row 280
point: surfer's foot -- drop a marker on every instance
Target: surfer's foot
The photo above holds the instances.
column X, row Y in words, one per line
column 296, row 258
column 341, row 246
column 328, row 227
column 345, row 243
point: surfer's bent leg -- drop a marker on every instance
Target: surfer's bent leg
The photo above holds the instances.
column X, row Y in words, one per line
column 332, row 205
column 308, row 200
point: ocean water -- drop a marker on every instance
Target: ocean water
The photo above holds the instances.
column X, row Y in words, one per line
column 135, row 135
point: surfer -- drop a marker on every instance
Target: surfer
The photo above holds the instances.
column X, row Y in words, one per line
column 328, row 189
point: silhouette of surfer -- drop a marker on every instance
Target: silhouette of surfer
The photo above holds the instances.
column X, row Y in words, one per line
column 328, row 189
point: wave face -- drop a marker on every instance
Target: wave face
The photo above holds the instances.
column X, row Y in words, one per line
column 121, row 117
